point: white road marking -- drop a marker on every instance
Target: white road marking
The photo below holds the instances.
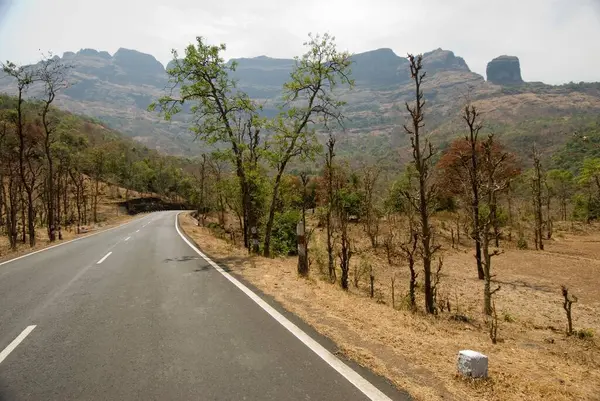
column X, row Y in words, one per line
column 137, row 231
column 11, row 347
column 104, row 258
column 127, row 239
column 351, row 375
column 73, row 240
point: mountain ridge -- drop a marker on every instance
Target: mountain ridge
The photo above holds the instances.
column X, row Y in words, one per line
column 118, row 88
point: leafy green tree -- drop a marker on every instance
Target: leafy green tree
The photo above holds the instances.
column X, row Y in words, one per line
column 590, row 173
column 309, row 101
column 222, row 114
column 560, row 183
column 52, row 74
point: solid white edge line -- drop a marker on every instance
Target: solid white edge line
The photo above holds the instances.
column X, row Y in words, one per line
column 104, row 258
column 351, row 375
column 70, row 241
column 11, row 347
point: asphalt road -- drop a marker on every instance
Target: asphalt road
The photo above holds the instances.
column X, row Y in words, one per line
column 135, row 313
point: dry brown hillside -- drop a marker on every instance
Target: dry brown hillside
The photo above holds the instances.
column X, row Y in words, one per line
column 534, row 359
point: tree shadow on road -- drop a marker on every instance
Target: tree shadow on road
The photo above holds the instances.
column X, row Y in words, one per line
column 181, row 259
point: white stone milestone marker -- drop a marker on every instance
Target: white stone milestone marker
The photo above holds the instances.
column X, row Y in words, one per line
column 472, row 364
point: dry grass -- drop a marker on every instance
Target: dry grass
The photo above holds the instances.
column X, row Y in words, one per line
column 109, row 215
column 533, row 361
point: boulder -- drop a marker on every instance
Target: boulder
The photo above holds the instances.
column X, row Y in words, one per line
column 504, row 70
column 472, row 364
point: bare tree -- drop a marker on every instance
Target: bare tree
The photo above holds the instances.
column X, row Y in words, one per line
column 536, row 186
column 569, row 300
column 471, row 117
column 409, row 252
column 493, row 182
column 423, row 153
column 329, row 171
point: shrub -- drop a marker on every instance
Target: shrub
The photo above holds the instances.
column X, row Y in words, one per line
column 585, row 333
column 283, row 237
column 522, row 243
column 508, row 317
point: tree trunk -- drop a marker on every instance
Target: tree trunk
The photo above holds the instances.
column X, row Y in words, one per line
column 23, row 225
column 50, row 185
column 413, row 283
column 330, row 206
column 487, row 291
column 31, row 218
column 537, row 202
column 475, row 212
column 269, row 227
column 95, row 200
column 548, row 219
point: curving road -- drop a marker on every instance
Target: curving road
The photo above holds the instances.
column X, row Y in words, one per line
column 136, row 313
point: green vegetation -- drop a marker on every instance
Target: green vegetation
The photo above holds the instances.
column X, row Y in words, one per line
column 60, row 188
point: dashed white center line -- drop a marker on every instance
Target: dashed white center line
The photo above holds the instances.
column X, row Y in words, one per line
column 127, row 239
column 137, row 231
column 104, row 258
column 10, row 348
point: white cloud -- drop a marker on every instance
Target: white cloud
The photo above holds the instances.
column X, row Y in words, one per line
column 556, row 40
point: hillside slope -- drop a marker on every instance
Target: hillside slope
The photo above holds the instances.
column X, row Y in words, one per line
column 117, row 89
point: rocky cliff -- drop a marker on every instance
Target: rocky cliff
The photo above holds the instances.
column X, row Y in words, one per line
column 504, row 70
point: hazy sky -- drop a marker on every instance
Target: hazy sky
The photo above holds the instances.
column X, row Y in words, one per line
column 556, row 40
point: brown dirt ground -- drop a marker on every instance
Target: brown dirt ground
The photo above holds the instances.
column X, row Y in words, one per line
column 534, row 360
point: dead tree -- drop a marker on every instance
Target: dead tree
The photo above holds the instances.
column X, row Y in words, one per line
column 409, row 252
column 435, row 286
column 471, row 117
column 569, row 300
column 494, row 324
column 422, row 159
column 493, row 183
column 536, row 186
column 330, row 205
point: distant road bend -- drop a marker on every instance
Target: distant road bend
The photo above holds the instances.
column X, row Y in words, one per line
column 137, row 313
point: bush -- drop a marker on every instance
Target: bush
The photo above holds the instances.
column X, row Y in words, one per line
column 283, row 237
column 522, row 243
column 585, row 209
column 585, row 333
column 508, row 317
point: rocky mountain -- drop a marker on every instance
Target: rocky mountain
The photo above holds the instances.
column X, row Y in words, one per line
column 117, row 89
column 504, row 70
